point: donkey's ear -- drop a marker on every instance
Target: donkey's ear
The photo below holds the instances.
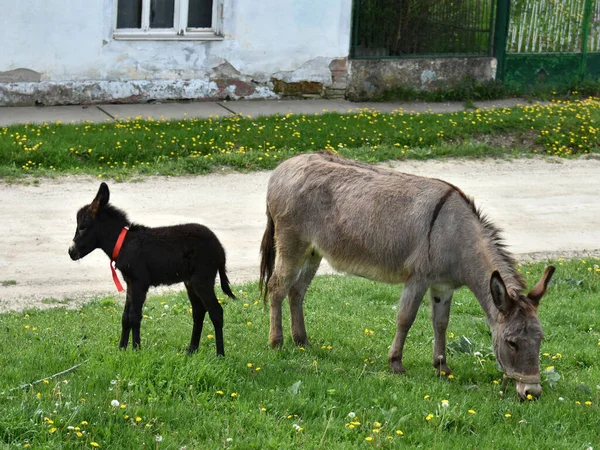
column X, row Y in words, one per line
column 538, row 291
column 101, row 198
column 499, row 293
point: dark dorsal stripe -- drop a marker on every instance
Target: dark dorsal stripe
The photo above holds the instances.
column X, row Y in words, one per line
column 436, row 212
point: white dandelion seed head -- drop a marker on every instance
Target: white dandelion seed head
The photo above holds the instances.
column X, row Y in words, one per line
column 115, row 403
column 351, row 415
column 158, row 438
column 561, row 399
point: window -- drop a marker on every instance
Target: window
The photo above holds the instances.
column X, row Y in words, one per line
column 168, row 19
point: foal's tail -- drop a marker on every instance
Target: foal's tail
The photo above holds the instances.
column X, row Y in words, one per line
column 267, row 251
column 225, row 281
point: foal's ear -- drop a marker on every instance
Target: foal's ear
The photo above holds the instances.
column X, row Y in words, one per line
column 499, row 293
column 538, row 291
column 101, row 198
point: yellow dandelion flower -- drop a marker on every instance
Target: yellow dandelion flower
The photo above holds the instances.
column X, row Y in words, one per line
column 368, row 438
column 508, row 415
column 471, row 411
column 399, row 432
column 234, row 394
column 219, row 392
column 138, row 419
column 377, row 425
column 78, row 433
column 429, row 417
column 94, row 444
column 52, row 430
column 210, row 336
column 84, row 422
column 588, row 403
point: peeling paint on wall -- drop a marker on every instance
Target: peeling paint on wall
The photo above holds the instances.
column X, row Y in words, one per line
column 81, row 61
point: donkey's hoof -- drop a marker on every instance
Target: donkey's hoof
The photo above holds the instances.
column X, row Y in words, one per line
column 443, row 371
column 276, row 342
column 397, row 366
column 191, row 350
column 301, row 341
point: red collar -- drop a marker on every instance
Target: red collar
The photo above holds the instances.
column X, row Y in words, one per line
column 115, row 253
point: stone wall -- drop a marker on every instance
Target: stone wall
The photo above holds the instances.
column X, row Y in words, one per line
column 369, row 79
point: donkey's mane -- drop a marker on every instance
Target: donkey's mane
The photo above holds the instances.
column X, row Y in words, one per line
column 115, row 213
column 501, row 257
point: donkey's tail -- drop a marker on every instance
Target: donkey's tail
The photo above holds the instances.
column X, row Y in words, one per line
column 267, row 251
column 225, row 281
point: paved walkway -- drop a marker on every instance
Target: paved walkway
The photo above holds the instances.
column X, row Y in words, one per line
column 179, row 110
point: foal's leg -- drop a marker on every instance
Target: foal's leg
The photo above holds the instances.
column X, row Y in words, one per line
column 287, row 265
column 441, row 299
column 412, row 295
column 138, row 297
column 204, row 288
column 198, row 313
column 125, row 324
column 296, row 297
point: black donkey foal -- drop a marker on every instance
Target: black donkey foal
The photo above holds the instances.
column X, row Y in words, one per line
column 147, row 257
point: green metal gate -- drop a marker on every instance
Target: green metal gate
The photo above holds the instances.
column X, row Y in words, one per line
column 550, row 42
column 422, row 28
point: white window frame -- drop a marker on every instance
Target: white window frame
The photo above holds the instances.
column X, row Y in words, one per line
column 180, row 30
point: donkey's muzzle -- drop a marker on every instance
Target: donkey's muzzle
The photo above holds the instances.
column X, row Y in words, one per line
column 73, row 253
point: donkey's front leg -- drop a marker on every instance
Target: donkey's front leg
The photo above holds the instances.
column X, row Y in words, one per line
column 412, row 295
column 441, row 299
column 125, row 324
column 138, row 296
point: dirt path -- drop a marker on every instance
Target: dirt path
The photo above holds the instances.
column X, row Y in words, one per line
column 547, row 208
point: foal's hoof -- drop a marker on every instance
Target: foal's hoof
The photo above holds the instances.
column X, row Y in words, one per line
column 191, row 350
column 397, row 366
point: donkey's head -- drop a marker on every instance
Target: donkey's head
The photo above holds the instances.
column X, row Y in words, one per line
column 92, row 224
column 518, row 333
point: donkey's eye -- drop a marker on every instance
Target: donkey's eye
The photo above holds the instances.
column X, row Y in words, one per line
column 513, row 345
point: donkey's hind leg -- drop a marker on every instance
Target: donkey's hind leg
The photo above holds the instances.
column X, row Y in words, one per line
column 412, row 295
column 296, row 297
column 198, row 313
column 204, row 288
column 441, row 299
column 288, row 264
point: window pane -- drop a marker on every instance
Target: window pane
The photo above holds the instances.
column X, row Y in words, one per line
column 129, row 14
column 200, row 13
column 162, row 13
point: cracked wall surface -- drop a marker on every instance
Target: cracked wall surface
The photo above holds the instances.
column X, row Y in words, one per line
column 66, row 53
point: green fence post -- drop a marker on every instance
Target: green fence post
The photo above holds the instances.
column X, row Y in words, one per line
column 587, row 18
column 500, row 35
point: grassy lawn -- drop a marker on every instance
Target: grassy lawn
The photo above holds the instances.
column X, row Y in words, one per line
column 141, row 147
column 337, row 393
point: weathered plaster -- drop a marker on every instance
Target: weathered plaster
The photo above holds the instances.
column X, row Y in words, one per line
column 70, row 47
column 371, row 78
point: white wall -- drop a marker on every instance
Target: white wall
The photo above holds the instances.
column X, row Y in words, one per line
column 71, row 40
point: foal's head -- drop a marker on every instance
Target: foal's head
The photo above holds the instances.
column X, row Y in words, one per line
column 518, row 333
column 94, row 222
